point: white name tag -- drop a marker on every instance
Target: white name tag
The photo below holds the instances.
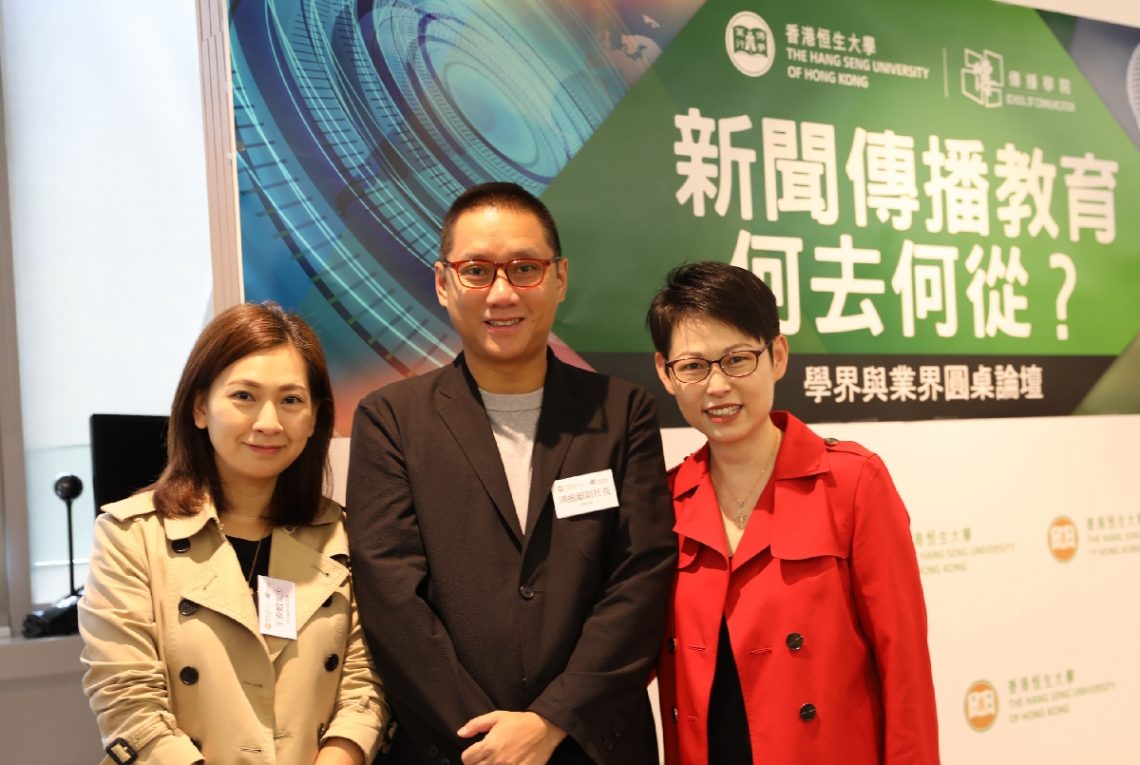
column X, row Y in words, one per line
column 277, row 607
column 584, row 493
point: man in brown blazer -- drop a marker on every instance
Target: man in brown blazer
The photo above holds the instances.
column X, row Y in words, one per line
column 510, row 525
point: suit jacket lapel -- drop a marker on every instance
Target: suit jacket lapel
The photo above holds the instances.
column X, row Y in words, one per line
column 462, row 413
column 559, row 420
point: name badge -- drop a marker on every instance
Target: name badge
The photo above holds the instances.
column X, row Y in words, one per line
column 584, row 493
column 277, row 607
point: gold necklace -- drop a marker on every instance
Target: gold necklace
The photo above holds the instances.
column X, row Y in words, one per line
column 253, row 565
column 740, row 516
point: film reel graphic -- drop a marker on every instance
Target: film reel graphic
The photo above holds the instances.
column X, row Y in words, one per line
column 356, row 125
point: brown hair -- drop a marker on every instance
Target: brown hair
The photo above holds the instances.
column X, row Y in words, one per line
column 191, row 475
column 509, row 196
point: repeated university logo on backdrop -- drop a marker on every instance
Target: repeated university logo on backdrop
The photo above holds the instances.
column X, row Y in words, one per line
column 981, row 705
column 1063, row 539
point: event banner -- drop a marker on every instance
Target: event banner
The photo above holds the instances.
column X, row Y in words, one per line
column 942, row 195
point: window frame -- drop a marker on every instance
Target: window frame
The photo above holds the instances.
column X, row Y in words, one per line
column 15, row 567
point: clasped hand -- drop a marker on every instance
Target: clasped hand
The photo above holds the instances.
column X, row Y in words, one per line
column 512, row 738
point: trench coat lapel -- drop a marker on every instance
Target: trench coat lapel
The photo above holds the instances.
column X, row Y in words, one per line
column 697, row 516
column 315, row 576
column 562, row 406
column 799, row 525
column 462, row 413
column 219, row 586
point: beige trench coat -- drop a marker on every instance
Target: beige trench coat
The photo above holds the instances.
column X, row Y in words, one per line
column 177, row 668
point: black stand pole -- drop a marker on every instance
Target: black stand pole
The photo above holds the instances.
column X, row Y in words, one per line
column 70, row 550
column 67, row 488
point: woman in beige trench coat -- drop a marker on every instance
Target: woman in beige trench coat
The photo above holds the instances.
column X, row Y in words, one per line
column 218, row 617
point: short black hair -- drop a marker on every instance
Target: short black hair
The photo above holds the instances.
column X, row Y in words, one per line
column 712, row 290
column 510, row 196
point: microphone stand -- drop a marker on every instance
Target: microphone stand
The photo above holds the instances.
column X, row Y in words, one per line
column 62, row 618
column 70, row 550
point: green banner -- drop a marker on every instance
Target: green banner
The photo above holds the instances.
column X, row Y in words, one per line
column 925, row 186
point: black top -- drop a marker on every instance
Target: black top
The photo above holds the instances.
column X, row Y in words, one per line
column 253, row 556
column 728, row 724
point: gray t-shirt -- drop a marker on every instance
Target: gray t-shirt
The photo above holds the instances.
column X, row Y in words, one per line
column 514, row 421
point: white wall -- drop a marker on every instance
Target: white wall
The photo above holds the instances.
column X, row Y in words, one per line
column 109, row 232
column 1125, row 12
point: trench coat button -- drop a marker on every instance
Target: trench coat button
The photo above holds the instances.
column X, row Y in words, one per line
column 672, row 645
column 327, row 603
column 187, row 607
column 188, row 675
column 526, row 591
column 831, row 441
column 433, row 751
column 445, row 761
column 807, row 712
column 180, row 545
column 332, row 662
column 795, row 641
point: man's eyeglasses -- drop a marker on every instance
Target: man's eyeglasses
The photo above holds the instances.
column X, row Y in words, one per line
column 479, row 274
column 693, row 369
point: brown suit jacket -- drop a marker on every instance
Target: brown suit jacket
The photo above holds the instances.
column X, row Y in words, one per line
column 466, row 613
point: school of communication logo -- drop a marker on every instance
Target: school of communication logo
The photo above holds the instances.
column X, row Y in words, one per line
column 983, row 77
column 981, row 705
column 749, row 43
column 1063, row 539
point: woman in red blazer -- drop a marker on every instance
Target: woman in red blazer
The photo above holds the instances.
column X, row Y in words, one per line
column 797, row 629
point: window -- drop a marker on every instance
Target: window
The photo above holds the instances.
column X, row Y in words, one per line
column 108, row 280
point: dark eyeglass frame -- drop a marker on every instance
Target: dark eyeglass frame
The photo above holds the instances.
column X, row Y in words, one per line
column 755, row 352
column 504, row 266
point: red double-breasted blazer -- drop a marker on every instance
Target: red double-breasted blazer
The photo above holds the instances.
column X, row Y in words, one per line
column 824, row 607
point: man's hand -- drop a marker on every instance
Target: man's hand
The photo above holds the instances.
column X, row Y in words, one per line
column 513, row 738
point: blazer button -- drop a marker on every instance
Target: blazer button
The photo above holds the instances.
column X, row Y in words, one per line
column 187, row 607
column 433, row 751
column 795, row 641
column 188, row 675
column 807, row 712
column 332, row 662
column 672, row 645
column 180, row 545
column 526, row 591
